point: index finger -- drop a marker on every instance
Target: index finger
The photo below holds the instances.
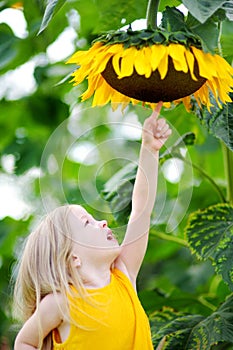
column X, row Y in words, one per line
column 156, row 111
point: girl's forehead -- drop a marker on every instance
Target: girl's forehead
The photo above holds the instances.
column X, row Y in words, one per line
column 78, row 211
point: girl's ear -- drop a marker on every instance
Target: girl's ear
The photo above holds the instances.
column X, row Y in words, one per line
column 76, row 260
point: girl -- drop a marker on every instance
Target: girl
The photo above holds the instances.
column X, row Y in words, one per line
column 76, row 286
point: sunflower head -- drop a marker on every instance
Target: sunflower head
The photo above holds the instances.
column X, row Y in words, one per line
column 147, row 83
column 152, row 65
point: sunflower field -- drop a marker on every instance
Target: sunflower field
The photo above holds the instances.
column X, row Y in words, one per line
column 77, row 80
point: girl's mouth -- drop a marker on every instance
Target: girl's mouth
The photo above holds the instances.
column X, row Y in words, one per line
column 110, row 236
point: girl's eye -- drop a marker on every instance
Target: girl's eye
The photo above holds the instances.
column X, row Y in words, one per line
column 86, row 223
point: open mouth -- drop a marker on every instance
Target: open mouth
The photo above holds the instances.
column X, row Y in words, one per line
column 110, row 236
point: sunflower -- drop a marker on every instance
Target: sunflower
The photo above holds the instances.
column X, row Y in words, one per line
column 152, row 65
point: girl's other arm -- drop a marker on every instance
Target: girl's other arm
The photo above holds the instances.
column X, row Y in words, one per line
column 154, row 134
column 50, row 318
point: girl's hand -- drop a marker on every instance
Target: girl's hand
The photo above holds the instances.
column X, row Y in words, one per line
column 155, row 131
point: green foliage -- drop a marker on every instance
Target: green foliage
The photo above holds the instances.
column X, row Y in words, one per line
column 52, row 6
column 207, row 32
column 40, row 127
column 202, row 9
column 219, row 122
column 173, row 330
column 209, row 233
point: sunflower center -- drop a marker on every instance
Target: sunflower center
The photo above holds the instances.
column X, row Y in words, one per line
column 174, row 86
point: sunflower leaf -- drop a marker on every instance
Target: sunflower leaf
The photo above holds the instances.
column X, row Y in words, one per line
column 207, row 32
column 228, row 7
column 219, row 122
column 173, row 20
column 203, row 9
column 51, row 9
column 172, row 330
column 210, row 235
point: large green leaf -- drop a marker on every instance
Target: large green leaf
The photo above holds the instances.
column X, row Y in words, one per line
column 219, row 122
column 208, row 32
column 228, row 7
column 193, row 332
column 52, row 6
column 203, row 9
column 210, row 235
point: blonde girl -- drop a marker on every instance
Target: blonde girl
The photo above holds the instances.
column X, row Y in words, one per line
column 76, row 286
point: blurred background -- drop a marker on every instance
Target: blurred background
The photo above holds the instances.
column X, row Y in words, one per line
column 56, row 150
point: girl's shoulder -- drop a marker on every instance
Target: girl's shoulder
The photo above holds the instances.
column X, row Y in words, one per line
column 120, row 266
column 53, row 303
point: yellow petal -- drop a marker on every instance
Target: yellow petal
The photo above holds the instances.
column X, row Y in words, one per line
column 79, row 75
column 206, row 64
column 176, row 52
column 213, row 87
column 93, row 83
column 190, row 60
column 222, row 90
column 224, row 68
column 118, row 99
column 202, row 96
column 102, row 94
column 187, row 103
column 99, row 64
column 140, row 62
column 163, row 66
column 167, row 104
column 116, row 63
column 127, row 63
column 157, row 54
column 77, row 57
column 147, row 55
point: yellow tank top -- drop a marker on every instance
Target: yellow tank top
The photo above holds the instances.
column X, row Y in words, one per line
column 116, row 322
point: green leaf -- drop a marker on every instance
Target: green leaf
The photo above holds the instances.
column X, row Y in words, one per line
column 228, row 7
column 210, row 235
column 203, row 9
column 207, row 32
column 219, row 122
column 113, row 13
column 173, row 19
column 171, row 330
column 51, row 9
column 172, row 3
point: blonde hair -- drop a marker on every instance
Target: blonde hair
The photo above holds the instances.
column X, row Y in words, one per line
column 46, row 266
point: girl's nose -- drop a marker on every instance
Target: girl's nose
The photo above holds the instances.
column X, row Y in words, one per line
column 103, row 223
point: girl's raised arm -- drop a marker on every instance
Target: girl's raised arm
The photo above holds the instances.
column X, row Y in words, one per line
column 154, row 134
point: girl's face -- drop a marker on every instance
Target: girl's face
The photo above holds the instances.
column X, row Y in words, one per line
column 88, row 231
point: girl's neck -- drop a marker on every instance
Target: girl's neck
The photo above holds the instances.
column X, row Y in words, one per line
column 95, row 277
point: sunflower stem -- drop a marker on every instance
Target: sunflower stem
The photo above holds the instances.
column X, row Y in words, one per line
column 151, row 14
column 228, row 167
column 227, row 153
